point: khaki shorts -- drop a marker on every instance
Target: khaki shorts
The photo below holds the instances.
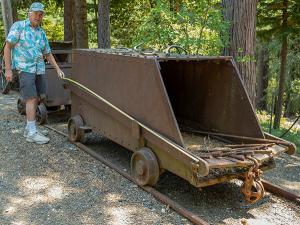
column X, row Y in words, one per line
column 32, row 85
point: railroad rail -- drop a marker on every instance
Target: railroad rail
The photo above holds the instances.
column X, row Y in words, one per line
column 277, row 190
column 195, row 219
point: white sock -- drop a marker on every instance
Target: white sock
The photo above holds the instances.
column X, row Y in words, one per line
column 31, row 127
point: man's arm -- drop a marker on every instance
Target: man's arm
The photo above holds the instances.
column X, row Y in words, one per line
column 7, row 61
column 12, row 39
column 52, row 61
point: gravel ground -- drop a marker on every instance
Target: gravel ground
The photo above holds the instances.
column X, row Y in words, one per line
column 59, row 184
column 286, row 173
column 218, row 204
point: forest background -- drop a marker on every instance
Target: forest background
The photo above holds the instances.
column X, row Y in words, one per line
column 203, row 27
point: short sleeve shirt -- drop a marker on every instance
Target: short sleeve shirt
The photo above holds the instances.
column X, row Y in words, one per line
column 30, row 44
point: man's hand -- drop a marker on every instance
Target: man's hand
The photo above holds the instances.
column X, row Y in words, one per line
column 60, row 73
column 8, row 75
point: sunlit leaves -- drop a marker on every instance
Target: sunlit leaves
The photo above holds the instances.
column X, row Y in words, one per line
column 197, row 26
column 270, row 31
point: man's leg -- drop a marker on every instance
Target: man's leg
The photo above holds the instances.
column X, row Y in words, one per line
column 31, row 105
column 28, row 91
column 41, row 88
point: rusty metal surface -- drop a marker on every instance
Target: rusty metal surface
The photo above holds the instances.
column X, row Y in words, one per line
column 284, row 192
column 132, row 84
column 60, row 45
column 210, row 94
column 114, row 125
column 142, row 100
column 56, row 93
column 291, row 146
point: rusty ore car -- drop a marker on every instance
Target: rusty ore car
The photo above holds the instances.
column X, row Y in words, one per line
column 189, row 115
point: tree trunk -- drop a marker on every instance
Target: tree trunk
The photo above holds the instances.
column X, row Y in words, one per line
column 287, row 111
column 80, row 38
column 278, row 109
column 242, row 38
column 7, row 15
column 14, row 7
column 262, row 78
column 103, row 24
column 175, row 5
column 68, row 20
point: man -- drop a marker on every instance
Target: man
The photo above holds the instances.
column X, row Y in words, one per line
column 25, row 49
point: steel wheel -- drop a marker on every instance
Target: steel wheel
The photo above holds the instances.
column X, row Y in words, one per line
column 144, row 167
column 21, row 105
column 41, row 113
column 75, row 133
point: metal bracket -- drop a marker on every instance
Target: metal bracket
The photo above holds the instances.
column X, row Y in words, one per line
column 135, row 129
column 86, row 129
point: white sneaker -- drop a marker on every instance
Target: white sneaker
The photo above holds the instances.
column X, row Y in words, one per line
column 37, row 138
column 43, row 132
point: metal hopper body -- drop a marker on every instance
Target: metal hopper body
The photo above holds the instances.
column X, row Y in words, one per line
column 164, row 104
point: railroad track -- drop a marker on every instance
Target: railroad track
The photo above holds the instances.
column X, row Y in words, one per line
column 158, row 195
column 272, row 188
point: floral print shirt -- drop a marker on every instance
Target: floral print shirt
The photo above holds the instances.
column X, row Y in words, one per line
column 30, row 44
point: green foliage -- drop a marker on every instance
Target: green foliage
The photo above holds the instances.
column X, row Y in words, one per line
column 292, row 84
column 270, row 33
column 293, row 81
column 2, row 30
column 52, row 22
column 53, row 29
column 156, row 29
column 197, row 26
column 270, row 19
column 2, row 34
column 92, row 10
column 294, row 106
column 25, row 4
column 125, row 17
column 293, row 135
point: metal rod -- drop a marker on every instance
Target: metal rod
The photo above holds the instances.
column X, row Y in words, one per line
column 238, row 137
column 249, row 145
column 282, row 135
